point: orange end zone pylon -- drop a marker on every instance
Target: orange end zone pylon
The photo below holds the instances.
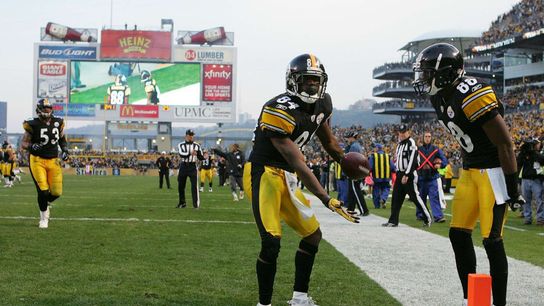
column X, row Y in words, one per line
column 479, row 290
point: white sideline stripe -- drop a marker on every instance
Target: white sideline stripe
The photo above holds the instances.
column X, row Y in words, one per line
column 415, row 266
column 128, row 220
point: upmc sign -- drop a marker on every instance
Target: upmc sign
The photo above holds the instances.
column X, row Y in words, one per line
column 122, row 44
column 68, row 52
column 139, row 111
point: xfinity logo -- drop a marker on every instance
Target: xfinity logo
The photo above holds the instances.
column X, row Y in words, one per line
column 65, row 52
column 217, row 74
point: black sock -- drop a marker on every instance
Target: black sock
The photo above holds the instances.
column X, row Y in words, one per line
column 210, row 184
column 498, row 269
column 266, row 272
column 304, row 262
column 465, row 257
column 43, row 196
column 201, row 185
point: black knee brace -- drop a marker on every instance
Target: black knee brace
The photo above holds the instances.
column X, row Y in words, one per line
column 308, row 248
column 270, row 249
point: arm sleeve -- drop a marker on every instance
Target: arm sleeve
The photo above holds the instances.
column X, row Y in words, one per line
column 183, row 150
column 219, row 152
column 442, row 158
column 276, row 122
column 199, row 154
column 479, row 103
column 27, row 127
column 414, row 158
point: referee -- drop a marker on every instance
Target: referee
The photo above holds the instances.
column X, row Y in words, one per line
column 407, row 162
column 189, row 153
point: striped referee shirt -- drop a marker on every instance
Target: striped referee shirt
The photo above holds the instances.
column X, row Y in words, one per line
column 407, row 157
column 186, row 148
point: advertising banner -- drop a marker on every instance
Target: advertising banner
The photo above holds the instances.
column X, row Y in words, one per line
column 188, row 37
column 197, row 54
column 217, row 83
column 85, row 32
column 73, row 110
column 70, row 52
column 204, row 113
column 122, row 44
column 52, row 80
column 139, row 111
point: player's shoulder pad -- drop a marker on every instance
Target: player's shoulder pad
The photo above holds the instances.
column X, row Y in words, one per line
column 476, row 97
column 278, row 114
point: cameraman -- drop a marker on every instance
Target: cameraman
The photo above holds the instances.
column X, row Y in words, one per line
column 530, row 162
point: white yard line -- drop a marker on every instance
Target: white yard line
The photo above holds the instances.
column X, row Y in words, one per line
column 130, row 220
column 415, row 266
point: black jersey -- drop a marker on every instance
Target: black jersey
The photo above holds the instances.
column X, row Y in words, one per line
column 46, row 133
column 287, row 116
column 462, row 111
column 206, row 163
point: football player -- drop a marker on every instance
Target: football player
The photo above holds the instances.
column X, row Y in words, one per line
column 286, row 123
column 43, row 136
column 9, row 159
column 150, row 86
column 206, row 171
column 469, row 109
column 119, row 92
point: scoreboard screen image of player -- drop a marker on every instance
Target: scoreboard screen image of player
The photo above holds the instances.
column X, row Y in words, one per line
column 135, row 83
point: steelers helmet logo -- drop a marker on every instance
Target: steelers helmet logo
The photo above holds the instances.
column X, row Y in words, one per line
column 320, row 118
column 450, row 112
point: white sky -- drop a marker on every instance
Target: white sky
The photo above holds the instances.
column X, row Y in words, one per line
column 351, row 37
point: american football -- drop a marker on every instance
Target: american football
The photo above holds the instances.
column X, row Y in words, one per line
column 355, row 165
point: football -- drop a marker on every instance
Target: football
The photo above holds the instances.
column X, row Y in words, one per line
column 355, row 165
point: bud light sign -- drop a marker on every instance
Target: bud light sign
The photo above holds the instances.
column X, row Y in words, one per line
column 68, row 52
column 217, row 83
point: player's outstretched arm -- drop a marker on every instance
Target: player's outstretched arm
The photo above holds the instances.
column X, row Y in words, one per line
column 497, row 131
column 329, row 142
column 290, row 151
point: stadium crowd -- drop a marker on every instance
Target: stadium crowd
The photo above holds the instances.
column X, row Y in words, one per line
column 525, row 16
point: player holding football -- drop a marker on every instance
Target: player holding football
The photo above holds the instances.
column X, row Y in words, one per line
column 43, row 136
column 286, row 123
column 470, row 111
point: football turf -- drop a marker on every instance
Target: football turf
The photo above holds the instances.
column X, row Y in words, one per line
column 120, row 241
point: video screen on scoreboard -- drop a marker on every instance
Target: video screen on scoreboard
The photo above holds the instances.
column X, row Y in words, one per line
column 139, row 83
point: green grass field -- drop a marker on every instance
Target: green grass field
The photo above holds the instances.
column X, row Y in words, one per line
column 120, row 241
column 168, row 78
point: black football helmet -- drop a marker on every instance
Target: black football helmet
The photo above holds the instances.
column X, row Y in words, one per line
column 306, row 66
column 437, row 67
column 145, row 76
column 40, row 109
column 120, row 79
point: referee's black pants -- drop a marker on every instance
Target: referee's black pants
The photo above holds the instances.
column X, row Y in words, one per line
column 188, row 171
column 356, row 197
column 399, row 193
